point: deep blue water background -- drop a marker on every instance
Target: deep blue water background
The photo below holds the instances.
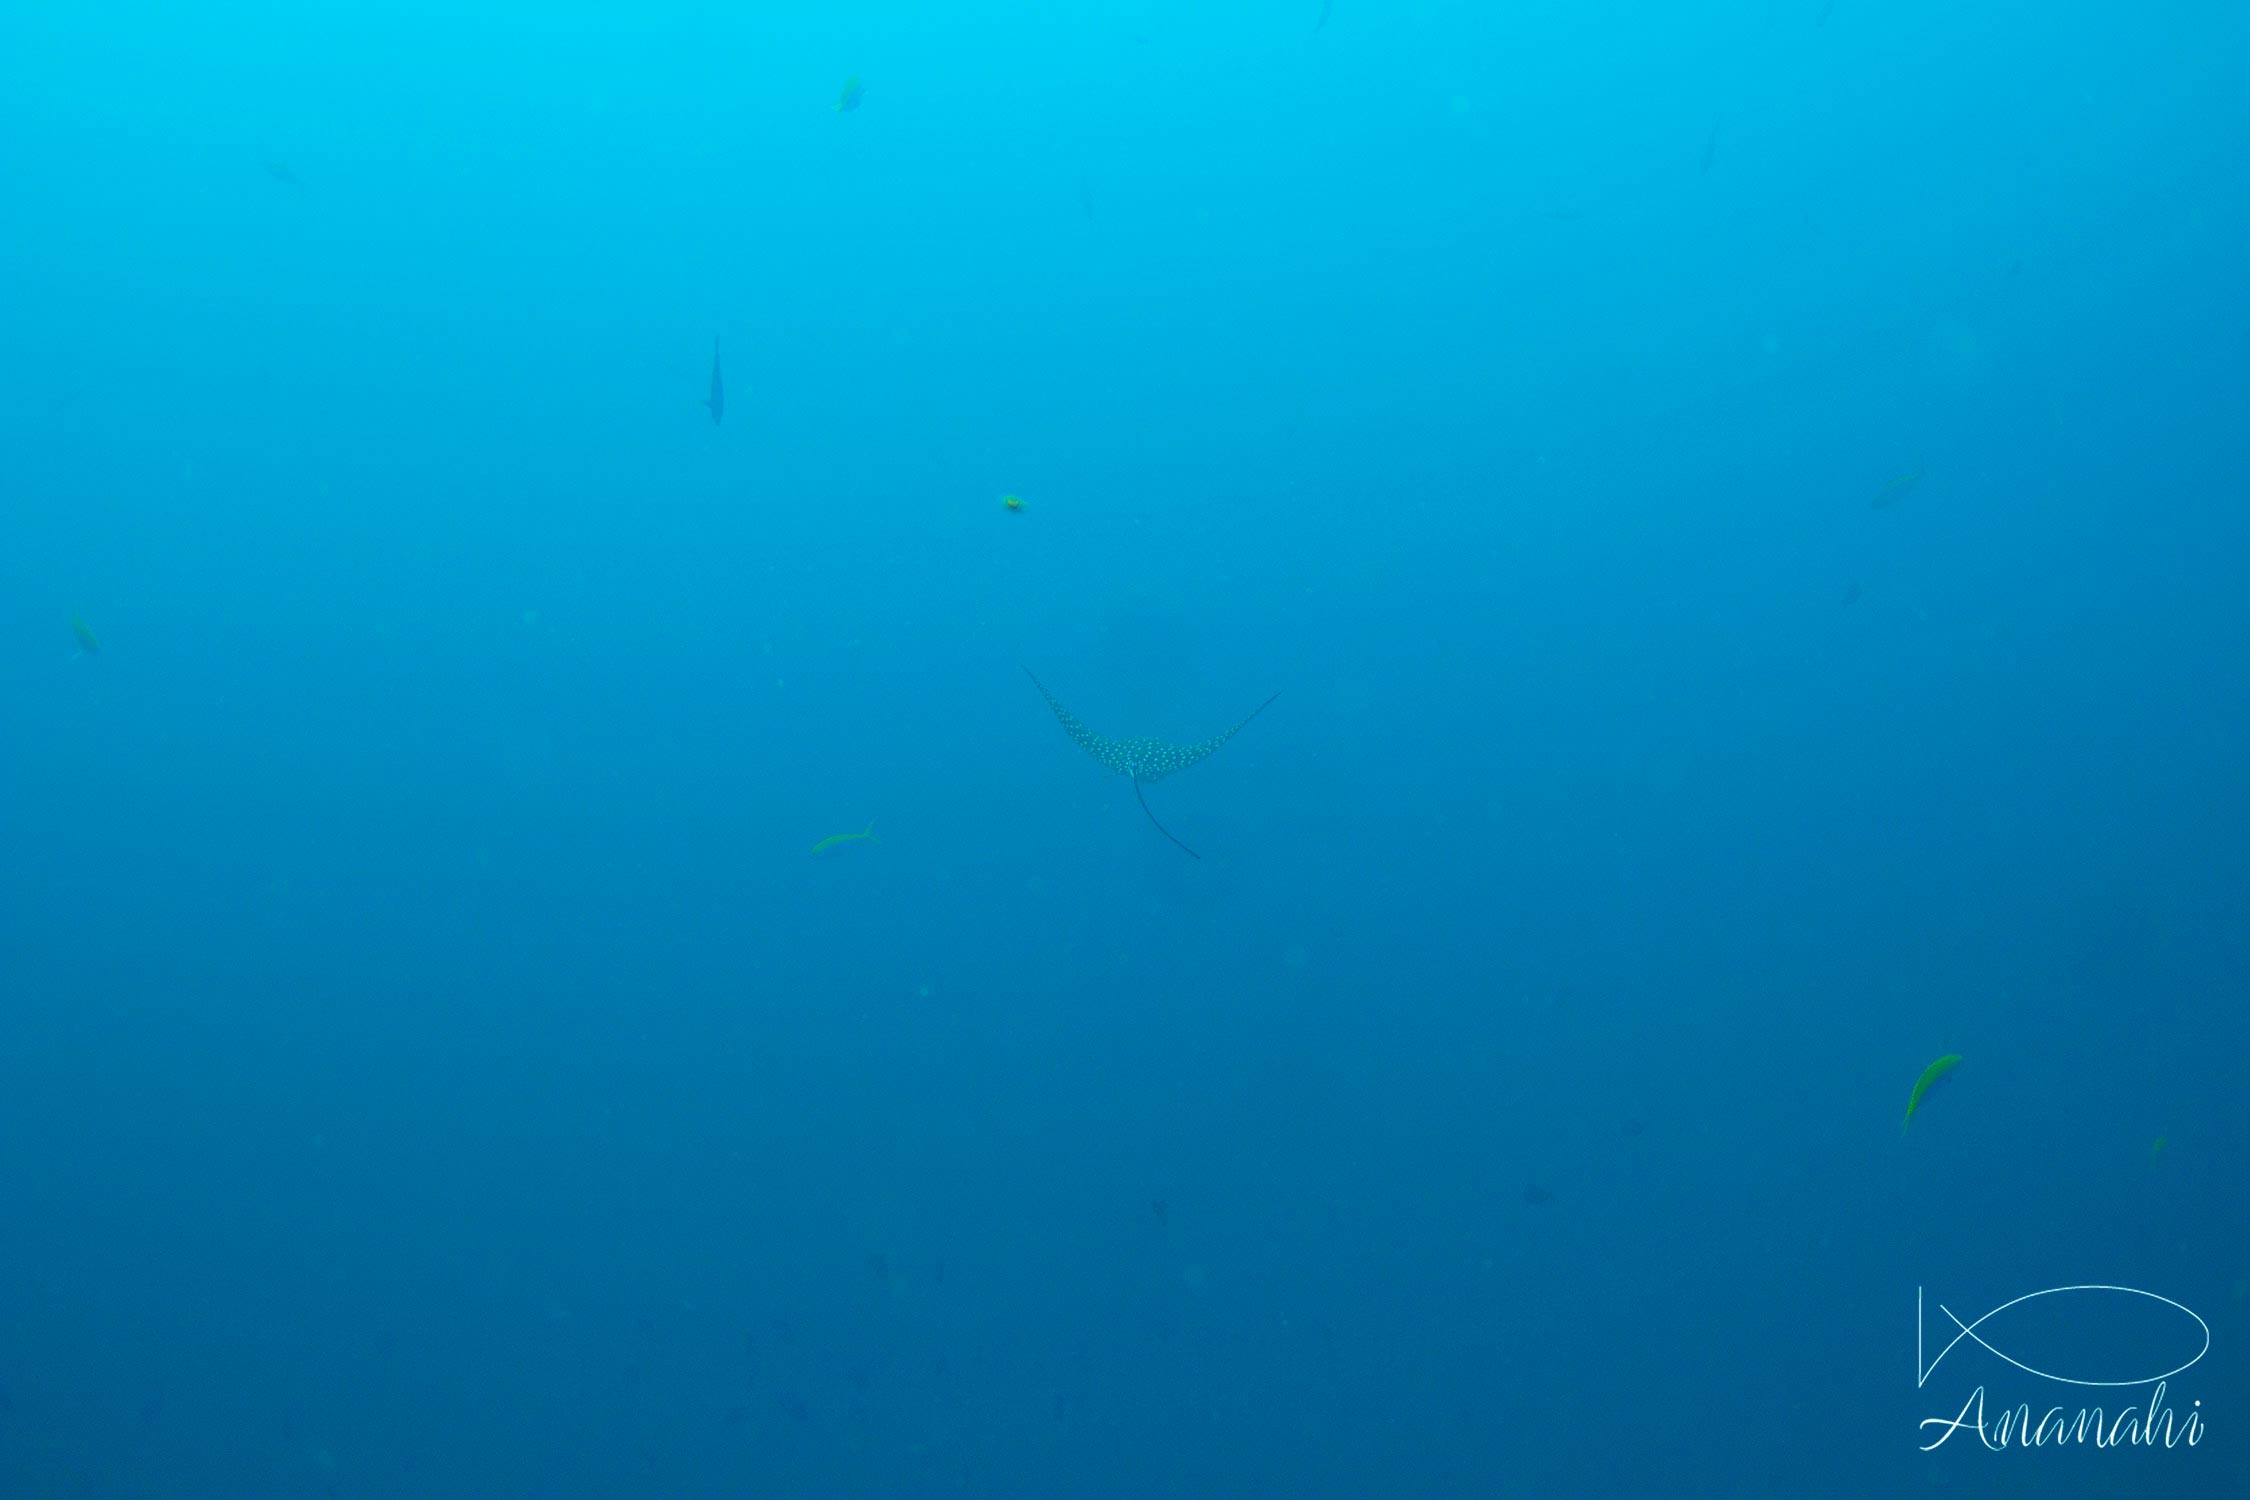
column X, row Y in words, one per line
column 435, row 1065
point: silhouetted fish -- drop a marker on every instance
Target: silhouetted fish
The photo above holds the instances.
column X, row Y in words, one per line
column 717, row 400
column 1537, row 1196
column 279, row 172
column 1142, row 760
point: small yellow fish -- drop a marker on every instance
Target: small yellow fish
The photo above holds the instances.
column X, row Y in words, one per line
column 848, row 101
column 1013, row 502
column 88, row 642
column 1929, row 1080
column 2156, row 1147
column 834, row 839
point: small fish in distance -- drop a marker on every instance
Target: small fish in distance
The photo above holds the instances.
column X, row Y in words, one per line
column 1898, row 489
column 834, row 839
column 1932, row 1076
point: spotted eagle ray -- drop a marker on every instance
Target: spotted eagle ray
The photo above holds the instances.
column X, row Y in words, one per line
column 1141, row 760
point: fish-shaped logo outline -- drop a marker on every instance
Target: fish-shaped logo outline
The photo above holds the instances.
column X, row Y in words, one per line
column 1922, row 1372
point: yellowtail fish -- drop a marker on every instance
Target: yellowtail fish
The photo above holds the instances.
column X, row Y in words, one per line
column 848, row 101
column 1930, row 1078
column 88, row 642
column 834, row 839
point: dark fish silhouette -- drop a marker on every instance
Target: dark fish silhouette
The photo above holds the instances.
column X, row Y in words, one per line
column 1325, row 7
column 279, row 172
column 1142, row 760
column 1711, row 147
column 717, row 400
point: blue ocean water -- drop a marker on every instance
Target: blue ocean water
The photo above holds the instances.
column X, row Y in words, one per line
column 1741, row 504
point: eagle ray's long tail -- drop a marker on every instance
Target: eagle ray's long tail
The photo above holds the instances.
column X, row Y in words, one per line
column 1160, row 828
